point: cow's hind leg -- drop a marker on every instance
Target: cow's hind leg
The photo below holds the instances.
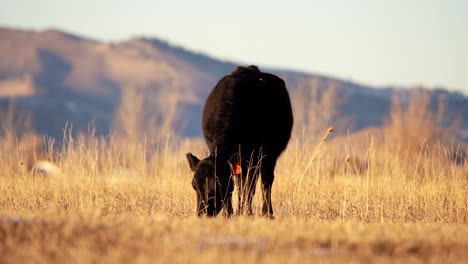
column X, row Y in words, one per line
column 267, row 171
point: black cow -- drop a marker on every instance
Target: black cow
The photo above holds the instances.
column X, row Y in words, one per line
column 247, row 123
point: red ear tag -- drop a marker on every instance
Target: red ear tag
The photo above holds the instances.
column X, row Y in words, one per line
column 236, row 168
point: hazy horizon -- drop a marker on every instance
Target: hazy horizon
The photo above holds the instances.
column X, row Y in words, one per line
column 376, row 43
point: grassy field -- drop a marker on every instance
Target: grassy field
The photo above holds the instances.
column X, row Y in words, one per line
column 335, row 200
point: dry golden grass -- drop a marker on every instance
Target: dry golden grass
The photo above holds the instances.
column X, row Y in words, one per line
column 119, row 202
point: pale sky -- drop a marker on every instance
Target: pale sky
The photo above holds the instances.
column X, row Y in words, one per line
column 372, row 42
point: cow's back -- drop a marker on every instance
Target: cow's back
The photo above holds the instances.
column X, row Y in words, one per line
column 248, row 108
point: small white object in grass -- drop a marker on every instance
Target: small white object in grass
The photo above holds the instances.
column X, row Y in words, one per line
column 45, row 168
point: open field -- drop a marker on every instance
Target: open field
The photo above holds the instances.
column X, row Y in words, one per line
column 153, row 238
column 114, row 202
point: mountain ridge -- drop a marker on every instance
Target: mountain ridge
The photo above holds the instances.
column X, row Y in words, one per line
column 86, row 80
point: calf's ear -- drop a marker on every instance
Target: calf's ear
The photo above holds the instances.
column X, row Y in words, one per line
column 192, row 160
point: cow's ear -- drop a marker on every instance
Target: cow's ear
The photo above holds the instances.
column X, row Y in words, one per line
column 235, row 164
column 193, row 161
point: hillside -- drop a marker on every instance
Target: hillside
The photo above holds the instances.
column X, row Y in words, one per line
column 60, row 78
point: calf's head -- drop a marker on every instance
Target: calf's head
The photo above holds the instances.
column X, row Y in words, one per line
column 206, row 184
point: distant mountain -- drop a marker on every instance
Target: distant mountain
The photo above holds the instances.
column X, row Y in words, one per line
column 61, row 78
